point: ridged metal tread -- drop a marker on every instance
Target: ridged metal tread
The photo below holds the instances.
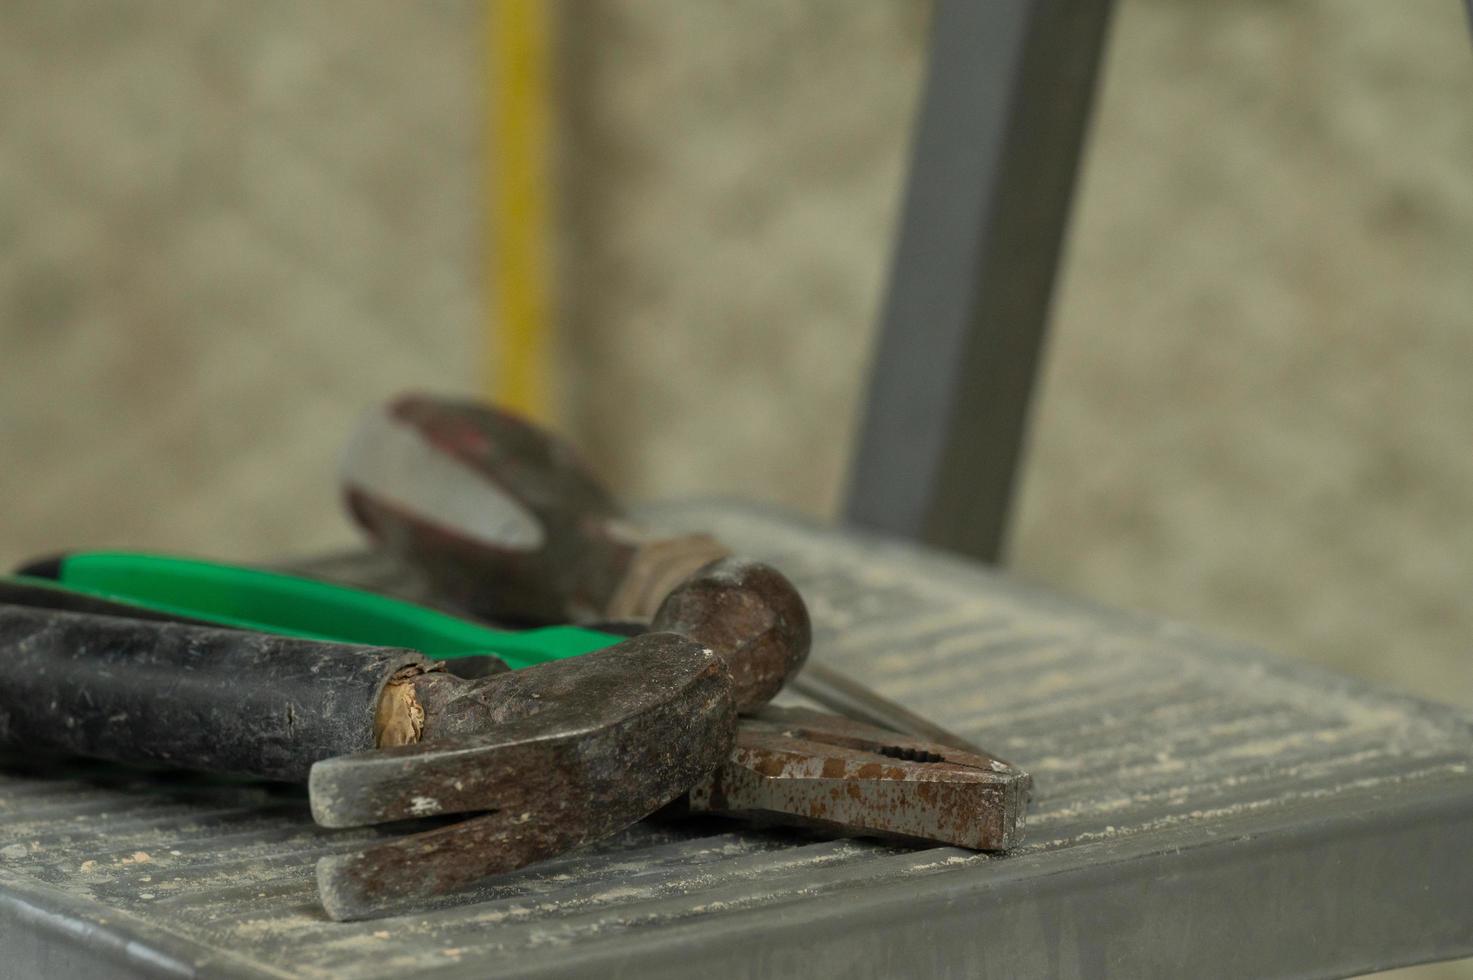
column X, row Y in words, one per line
column 1145, row 740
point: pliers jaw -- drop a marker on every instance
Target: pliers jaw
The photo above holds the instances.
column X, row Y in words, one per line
column 795, row 766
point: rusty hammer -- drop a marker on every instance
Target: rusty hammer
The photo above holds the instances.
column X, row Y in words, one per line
column 544, row 758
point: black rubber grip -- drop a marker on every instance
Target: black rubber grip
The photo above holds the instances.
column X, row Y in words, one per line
column 195, row 697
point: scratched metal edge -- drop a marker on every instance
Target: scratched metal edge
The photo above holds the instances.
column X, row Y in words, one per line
column 1166, row 905
column 106, row 941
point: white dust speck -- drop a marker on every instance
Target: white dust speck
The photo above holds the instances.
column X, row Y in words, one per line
column 423, row 806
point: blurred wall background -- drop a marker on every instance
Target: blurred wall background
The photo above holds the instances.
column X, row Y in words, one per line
column 1256, row 410
column 226, row 228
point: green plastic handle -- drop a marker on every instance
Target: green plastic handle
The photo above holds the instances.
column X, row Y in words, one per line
column 274, row 602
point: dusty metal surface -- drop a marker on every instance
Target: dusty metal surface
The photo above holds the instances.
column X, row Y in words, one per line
column 1198, row 809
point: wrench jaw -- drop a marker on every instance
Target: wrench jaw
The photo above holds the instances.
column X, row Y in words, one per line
column 503, row 518
column 600, row 742
column 794, row 766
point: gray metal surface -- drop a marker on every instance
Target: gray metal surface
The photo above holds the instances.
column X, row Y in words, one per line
column 1006, row 106
column 1199, row 810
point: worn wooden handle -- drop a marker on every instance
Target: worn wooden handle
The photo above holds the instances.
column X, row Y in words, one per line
column 187, row 696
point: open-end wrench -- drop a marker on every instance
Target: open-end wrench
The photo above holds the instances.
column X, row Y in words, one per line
column 506, row 522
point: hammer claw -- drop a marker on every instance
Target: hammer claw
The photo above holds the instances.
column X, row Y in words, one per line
column 575, row 750
column 407, row 872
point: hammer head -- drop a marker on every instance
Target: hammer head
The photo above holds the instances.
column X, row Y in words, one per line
column 750, row 614
column 568, row 753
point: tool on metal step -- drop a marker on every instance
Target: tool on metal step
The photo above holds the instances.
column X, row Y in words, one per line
column 544, row 758
column 437, row 731
column 493, row 496
column 775, row 774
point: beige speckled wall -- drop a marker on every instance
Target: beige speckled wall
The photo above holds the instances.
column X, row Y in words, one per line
column 732, row 173
column 224, row 228
column 1256, row 410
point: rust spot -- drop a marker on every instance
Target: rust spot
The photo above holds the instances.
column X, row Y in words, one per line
column 768, row 765
column 836, row 776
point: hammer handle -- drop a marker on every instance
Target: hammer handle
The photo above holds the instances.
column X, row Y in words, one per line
column 187, row 696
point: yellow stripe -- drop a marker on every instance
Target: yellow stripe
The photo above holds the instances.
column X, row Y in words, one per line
column 518, row 201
